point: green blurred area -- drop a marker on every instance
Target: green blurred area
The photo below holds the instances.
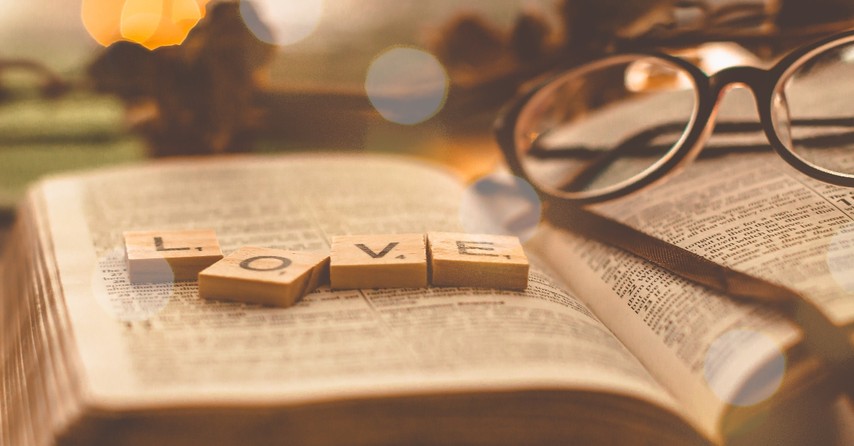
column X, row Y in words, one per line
column 40, row 137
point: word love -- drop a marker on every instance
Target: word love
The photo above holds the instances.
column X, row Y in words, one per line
column 280, row 277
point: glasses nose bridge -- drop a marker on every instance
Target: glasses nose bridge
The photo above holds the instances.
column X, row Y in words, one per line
column 755, row 79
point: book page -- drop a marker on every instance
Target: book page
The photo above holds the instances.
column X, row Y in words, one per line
column 764, row 218
column 747, row 210
column 739, row 203
column 150, row 345
column 672, row 324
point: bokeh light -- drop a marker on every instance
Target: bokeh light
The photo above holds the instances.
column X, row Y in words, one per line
column 500, row 203
column 151, row 23
column 281, row 22
column 130, row 302
column 840, row 257
column 744, row 367
column 406, row 85
column 9, row 9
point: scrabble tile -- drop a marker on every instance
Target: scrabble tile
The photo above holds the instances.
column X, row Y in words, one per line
column 166, row 256
column 265, row 276
column 477, row 260
column 378, row 261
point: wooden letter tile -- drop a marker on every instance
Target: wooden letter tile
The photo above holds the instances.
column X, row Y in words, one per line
column 378, row 261
column 166, row 256
column 477, row 260
column 265, row 276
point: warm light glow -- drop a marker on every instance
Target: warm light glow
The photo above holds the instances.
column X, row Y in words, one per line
column 151, row 23
column 650, row 74
column 714, row 57
column 647, row 75
column 140, row 19
column 8, row 9
column 288, row 21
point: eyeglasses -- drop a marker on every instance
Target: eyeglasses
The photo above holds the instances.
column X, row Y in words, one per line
column 617, row 125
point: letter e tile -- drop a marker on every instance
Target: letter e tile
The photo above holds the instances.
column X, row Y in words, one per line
column 477, row 260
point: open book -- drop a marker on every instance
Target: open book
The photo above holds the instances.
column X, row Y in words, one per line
column 601, row 348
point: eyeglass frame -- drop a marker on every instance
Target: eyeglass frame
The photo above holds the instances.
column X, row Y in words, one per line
column 708, row 90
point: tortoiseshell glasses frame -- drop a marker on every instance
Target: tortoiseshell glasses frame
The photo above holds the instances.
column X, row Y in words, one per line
column 766, row 85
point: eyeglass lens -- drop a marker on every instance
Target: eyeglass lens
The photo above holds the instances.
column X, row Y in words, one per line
column 608, row 124
column 813, row 109
column 604, row 125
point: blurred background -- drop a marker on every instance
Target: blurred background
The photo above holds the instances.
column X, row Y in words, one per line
column 87, row 83
column 86, row 128
column 329, row 54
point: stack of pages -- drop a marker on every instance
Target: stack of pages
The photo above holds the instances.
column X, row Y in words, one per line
column 602, row 348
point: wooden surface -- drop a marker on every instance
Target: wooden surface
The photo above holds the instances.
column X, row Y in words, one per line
column 164, row 256
column 378, row 261
column 477, row 260
column 264, row 276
